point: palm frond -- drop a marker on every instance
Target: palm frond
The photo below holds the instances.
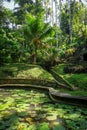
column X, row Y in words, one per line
column 49, row 40
column 47, row 32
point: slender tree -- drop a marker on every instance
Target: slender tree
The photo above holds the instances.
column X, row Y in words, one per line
column 71, row 18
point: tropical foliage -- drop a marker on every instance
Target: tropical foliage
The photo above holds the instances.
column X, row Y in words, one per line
column 36, row 33
column 53, row 34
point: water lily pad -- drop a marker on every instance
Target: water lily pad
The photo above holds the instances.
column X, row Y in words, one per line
column 59, row 127
column 51, row 118
column 30, row 120
column 22, row 114
column 32, row 108
column 5, row 113
column 2, row 127
column 44, row 126
column 22, row 126
column 32, row 127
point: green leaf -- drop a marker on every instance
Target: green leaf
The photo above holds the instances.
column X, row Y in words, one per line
column 44, row 126
column 59, row 127
column 32, row 127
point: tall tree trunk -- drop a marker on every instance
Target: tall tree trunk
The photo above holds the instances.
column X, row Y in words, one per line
column 35, row 56
column 71, row 18
column 52, row 12
column 85, row 22
column 45, row 4
column 56, row 12
column 60, row 4
column 56, row 20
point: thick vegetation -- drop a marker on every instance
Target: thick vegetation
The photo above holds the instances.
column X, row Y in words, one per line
column 30, row 34
column 51, row 34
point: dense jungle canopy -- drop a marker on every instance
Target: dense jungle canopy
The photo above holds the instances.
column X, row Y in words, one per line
column 42, row 30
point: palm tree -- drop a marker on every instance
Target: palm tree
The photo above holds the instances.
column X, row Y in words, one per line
column 35, row 32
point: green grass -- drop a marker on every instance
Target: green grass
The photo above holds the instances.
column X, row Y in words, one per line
column 74, row 93
column 24, row 71
column 78, row 80
column 78, row 93
column 59, row 69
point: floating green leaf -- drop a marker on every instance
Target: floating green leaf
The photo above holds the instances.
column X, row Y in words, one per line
column 58, row 127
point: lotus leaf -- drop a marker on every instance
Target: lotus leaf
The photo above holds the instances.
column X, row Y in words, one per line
column 32, row 127
column 51, row 118
column 44, row 126
column 22, row 114
column 20, row 106
column 58, row 127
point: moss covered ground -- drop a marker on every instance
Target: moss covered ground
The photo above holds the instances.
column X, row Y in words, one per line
column 24, row 71
column 78, row 80
column 29, row 71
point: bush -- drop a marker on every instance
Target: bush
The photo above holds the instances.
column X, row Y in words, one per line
column 9, row 50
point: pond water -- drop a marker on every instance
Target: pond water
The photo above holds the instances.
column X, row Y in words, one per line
column 22, row 109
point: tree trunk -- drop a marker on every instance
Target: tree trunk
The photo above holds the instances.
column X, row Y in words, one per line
column 56, row 12
column 71, row 18
column 35, row 56
column 60, row 4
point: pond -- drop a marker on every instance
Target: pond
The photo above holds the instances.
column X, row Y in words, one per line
column 26, row 109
